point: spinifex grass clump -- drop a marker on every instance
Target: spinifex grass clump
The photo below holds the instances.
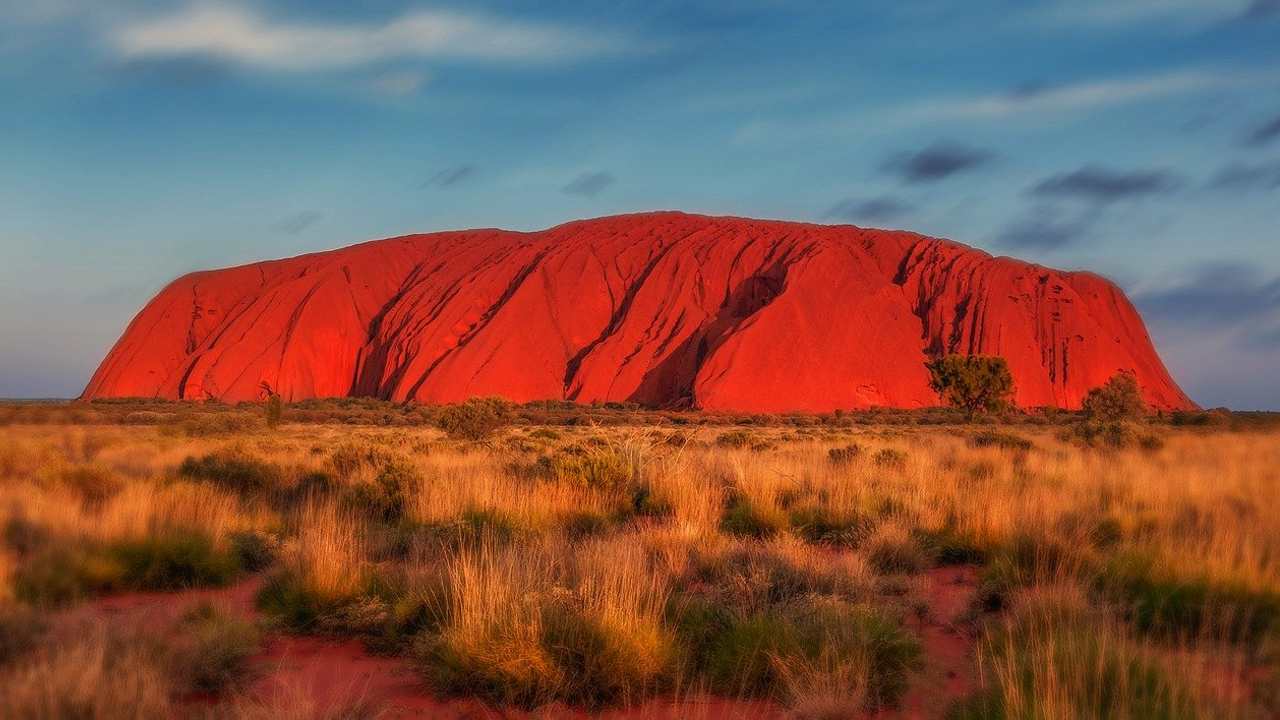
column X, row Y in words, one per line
column 531, row 625
column 1057, row 655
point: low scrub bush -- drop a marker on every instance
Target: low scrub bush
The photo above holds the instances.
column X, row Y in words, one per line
column 234, row 470
column 744, row 518
column 844, row 455
column 173, row 560
column 890, row 458
column 97, row 673
column 751, row 577
column 21, row 630
column 252, row 550
column 893, row 549
column 789, row 652
column 210, row 649
column 735, row 439
column 66, row 573
column 823, row 526
column 1004, row 441
column 476, row 419
column 1160, row 602
column 601, row 468
column 95, row 485
column 1057, row 656
column 387, row 494
column 599, row 641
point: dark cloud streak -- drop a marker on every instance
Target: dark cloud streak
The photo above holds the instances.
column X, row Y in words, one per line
column 1222, row 295
column 451, row 176
column 876, row 209
column 1264, row 133
column 1261, row 10
column 936, row 162
column 1103, row 186
column 1046, row 228
column 1244, row 176
column 588, row 184
column 297, row 223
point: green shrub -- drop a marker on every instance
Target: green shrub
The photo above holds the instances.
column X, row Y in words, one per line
column 602, row 468
column 890, row 458
column 752, row 577
column 387, row 495
column 746, row 519
column 1060, row 658
column 234, row 470
column 212, row 649
column 1004, row 441
column 973, row 383
column 287, row 601
column 23, row 536
column 757, row 655
column 604, row 665
column 95, row 485
column 586, row 523
column 475, row 527
column 949, row 546
column 646, row 503
column 819, row 525
column 274, row 410
column 476, row 419
column 498, row 674
column 252, row 550
column 21, row 630
column 843, row 455
column 1163, row 604
column 351, row 459
column 63, row 574
column 1117, row 400
column 891, row 549
column 173, row 560
column 734, row 439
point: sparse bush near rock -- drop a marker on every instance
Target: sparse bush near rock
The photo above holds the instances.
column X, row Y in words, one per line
column 235, row 470
column 1004, row 441
column 890, row 458
column 844, row 455
column 1118, row 400
column 210, row 649
column 735, row 439
column 475, row 419
column 973, row 383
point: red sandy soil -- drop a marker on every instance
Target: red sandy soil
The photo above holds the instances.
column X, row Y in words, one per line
column 329, row 671
column 948, row 673
column 664, row 309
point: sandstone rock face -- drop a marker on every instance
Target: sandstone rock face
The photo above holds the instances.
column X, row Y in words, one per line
column 664, row 309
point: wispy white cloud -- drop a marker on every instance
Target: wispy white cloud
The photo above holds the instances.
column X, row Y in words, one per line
column 401, row 83
column 242, row 35
column 1120, row 13
column 1073, row 97
column 1020, row 104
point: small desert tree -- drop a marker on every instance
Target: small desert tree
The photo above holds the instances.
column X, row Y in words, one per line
column 1117, row 400
column 1113, row 412
column 973, row 383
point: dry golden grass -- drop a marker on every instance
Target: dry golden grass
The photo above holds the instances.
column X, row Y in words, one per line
column 585, row 582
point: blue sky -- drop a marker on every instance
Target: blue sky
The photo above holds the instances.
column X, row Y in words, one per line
column 1137, row 138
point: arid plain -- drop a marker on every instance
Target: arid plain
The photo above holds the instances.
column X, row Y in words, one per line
column 352, row 559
